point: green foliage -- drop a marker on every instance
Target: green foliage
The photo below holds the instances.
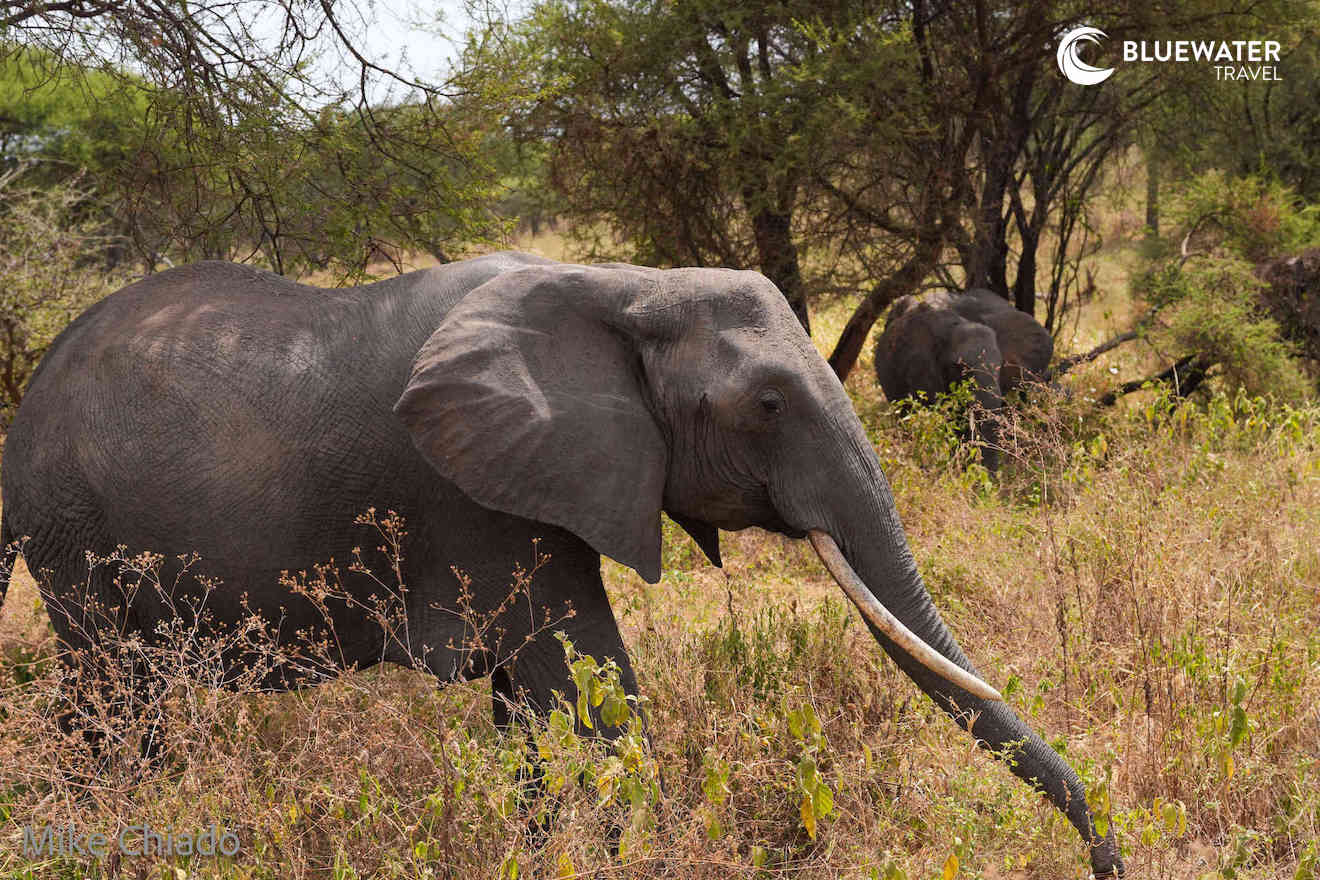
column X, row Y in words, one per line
column 817, row 799
column 48, row 250
column 292, row 183
column 939, row 430
column 1251, row 217
column 63, row 123
column 694, row 133
column 1208, row 296
column 1210, row 306
column 1260, row 128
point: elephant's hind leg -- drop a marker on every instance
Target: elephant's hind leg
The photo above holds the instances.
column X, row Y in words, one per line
column 109, row 702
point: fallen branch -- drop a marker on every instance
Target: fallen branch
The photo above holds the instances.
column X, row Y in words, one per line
column 1068, row 363
column 1187, row 374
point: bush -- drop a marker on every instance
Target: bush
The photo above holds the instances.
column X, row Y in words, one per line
column 48, row 274
column 1212, row 307
column 1247, row 217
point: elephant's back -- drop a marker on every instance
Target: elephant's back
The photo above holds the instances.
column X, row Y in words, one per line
column 182, row 410
column 227, row 411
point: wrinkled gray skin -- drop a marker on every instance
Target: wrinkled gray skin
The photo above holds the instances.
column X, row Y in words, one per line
column 929, row 345
column 220, row 409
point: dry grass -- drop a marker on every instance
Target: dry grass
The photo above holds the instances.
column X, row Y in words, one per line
column 1144, row 585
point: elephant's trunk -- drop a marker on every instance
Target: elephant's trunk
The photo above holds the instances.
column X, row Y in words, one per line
column 985, row 418
column 871, row 540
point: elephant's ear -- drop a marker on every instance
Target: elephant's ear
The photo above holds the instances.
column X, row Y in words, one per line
column 530, row 397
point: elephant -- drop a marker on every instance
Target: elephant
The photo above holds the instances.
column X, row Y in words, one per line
column 929, row 345
column 497, row 404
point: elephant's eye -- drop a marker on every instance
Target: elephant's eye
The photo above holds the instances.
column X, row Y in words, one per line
column 771, row 401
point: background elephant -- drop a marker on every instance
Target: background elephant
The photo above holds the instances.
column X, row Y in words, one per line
column 931, row 344
column 221, row 409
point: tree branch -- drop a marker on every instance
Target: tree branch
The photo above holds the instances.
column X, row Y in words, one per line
column 1108, row 345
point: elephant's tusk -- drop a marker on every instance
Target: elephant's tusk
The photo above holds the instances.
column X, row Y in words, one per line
column 890, row 625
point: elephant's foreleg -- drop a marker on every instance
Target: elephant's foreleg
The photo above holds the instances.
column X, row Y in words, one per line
column 523, row 694
column 526, row 684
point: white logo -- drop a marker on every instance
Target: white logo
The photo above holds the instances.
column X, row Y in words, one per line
column 1072, row 66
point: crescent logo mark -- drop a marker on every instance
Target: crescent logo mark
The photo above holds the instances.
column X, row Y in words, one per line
column 1070, row 63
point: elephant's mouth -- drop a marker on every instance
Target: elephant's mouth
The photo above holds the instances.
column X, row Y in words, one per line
column 884, row 621
column 752, row 506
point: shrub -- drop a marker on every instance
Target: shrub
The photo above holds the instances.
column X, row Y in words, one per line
column 1209, row 307
column 47, row 275
column 1248, row 217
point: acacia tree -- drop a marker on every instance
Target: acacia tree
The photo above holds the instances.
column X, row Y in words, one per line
column 849, row 147
column 44, row 240
column 1047, row 143
column 238, row 145
column 1268, row 127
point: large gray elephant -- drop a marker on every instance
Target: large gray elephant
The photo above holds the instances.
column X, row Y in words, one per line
column 929, row 345
column 221, row 409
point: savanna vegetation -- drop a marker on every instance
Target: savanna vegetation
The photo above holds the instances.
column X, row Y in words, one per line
column 1140, row 578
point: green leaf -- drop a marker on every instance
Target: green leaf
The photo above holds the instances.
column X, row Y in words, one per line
column 809, row 718
column 1308, row 868
column 806, row 773
column 714, row 830
column 796, row 724
column 1170, row 813
column 894, row 872
column 715, row 784
column 822, row 799
column 614, row 711
column 1238, row 731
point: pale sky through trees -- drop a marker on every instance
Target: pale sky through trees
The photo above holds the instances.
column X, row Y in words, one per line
column 413, row 38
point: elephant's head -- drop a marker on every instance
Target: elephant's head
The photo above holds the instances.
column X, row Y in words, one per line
column 1026, row 346
column 594, row 398
column 928, row 346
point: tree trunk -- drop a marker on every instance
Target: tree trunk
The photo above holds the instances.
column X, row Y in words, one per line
column 1024, row 286
column 989, row 264
column 1152, row 196
column 778, row 257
